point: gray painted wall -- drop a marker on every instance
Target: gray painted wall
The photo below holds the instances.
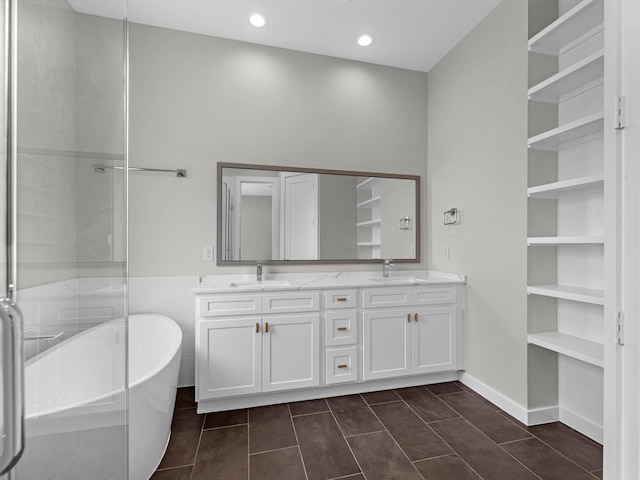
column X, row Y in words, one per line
column 196, row 100
column 337, row 217
column 478, row 163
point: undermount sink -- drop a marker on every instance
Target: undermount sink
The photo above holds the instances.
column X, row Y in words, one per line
column 261, row 283
column 395, row 279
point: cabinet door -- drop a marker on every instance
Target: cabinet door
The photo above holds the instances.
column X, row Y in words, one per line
column 434, row 339
column 291, row 352
column 229, row 357
column 386, row 343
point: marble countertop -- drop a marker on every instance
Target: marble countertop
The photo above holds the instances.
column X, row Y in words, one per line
column 324, row 281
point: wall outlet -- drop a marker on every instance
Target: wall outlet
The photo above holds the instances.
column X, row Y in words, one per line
column 207, row 254
column 445, row 253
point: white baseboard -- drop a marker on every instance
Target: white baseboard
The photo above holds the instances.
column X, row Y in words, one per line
column 505, row 403
column 535, row 416
column 583, row 425
column 538, row 416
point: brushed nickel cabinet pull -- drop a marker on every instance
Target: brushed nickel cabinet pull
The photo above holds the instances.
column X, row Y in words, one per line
column 342, row 329
column 266, row 327
column 257, row 328
column 344, row 365
column 341, row 299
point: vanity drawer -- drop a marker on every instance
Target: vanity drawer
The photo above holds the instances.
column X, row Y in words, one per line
column 225, row 305
column 342, row 365
column 386, row 297
column 291, row 302
column 434, row 295
column 339, row 299
column 340, row 328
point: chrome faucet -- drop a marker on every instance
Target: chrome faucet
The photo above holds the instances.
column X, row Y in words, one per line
column 385, row 268
column 259, row 272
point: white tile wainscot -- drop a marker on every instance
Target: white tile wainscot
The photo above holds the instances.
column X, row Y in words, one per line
column 299, row 336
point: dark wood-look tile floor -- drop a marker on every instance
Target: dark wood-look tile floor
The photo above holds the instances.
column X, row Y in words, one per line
column 436, row 432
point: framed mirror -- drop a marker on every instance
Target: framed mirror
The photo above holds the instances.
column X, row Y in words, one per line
column 291, row 215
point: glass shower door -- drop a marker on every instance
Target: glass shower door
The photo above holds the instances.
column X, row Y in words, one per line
column 69, row 222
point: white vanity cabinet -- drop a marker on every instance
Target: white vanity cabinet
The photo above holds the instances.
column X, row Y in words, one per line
column 341, row 336
column 277, row 348
column 419, row 337
column 259, row 347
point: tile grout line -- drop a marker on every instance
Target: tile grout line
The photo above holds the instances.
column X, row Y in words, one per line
column 555, row 450
column 295, row 433
column 225, row 426
column 457, row 454
column 476, row 428
column 394, row 441
column 248, row 445
column 195, row 457
column 533, row 435
column 513, row 441
column 346, row 441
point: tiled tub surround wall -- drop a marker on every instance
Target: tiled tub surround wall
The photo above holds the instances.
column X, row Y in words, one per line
column 299, row 337
column 437, row 432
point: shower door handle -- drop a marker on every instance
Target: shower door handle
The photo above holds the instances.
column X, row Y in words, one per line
column 13, row 385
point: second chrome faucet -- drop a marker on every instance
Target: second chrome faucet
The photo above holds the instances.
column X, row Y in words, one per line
column 386, row 265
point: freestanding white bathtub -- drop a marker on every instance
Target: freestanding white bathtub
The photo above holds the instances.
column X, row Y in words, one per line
column 77, row 386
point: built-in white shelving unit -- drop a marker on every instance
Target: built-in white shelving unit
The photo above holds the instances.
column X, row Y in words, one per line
column 552, row 190
column 577, row 78
column 564, row 292
column 566, row 283
column 578, row 131
column 571, row 346
column 565, row 241
column 574, row 27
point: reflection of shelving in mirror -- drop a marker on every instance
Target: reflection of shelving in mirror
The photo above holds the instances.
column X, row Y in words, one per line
column 369, row 221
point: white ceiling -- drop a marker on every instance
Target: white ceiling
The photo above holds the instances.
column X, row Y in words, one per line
column 410, row 34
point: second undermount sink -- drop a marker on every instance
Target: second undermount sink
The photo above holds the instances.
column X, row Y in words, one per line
column 260, row 283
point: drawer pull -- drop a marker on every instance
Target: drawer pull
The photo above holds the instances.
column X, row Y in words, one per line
column 408, row 318
column 257, row 328
column 342, row 329
column 344, row 365
column 415, row 316
column 266, row 327
column 341, row 299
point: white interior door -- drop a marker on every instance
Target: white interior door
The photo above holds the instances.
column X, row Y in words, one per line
column 300, row 216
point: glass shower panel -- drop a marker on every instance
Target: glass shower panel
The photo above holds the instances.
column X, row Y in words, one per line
column 71, row 239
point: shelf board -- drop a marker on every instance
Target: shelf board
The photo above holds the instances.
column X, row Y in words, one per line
column 586, row 73
column 552, row 190
column 368, row 244
column 586, row 17
column 372, row 202
column 533, row 241
column 369, row 223
column 581, row 129
column 571, row 346
column 368, row 183
column 576, row 294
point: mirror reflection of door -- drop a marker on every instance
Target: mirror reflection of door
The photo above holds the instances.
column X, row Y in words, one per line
column 300, row 216
column 257, row 218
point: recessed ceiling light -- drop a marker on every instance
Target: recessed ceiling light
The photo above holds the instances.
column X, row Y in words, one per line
column 364, row 40
column 258, row 20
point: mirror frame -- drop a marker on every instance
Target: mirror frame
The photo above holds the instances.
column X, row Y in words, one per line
column 249, row 166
